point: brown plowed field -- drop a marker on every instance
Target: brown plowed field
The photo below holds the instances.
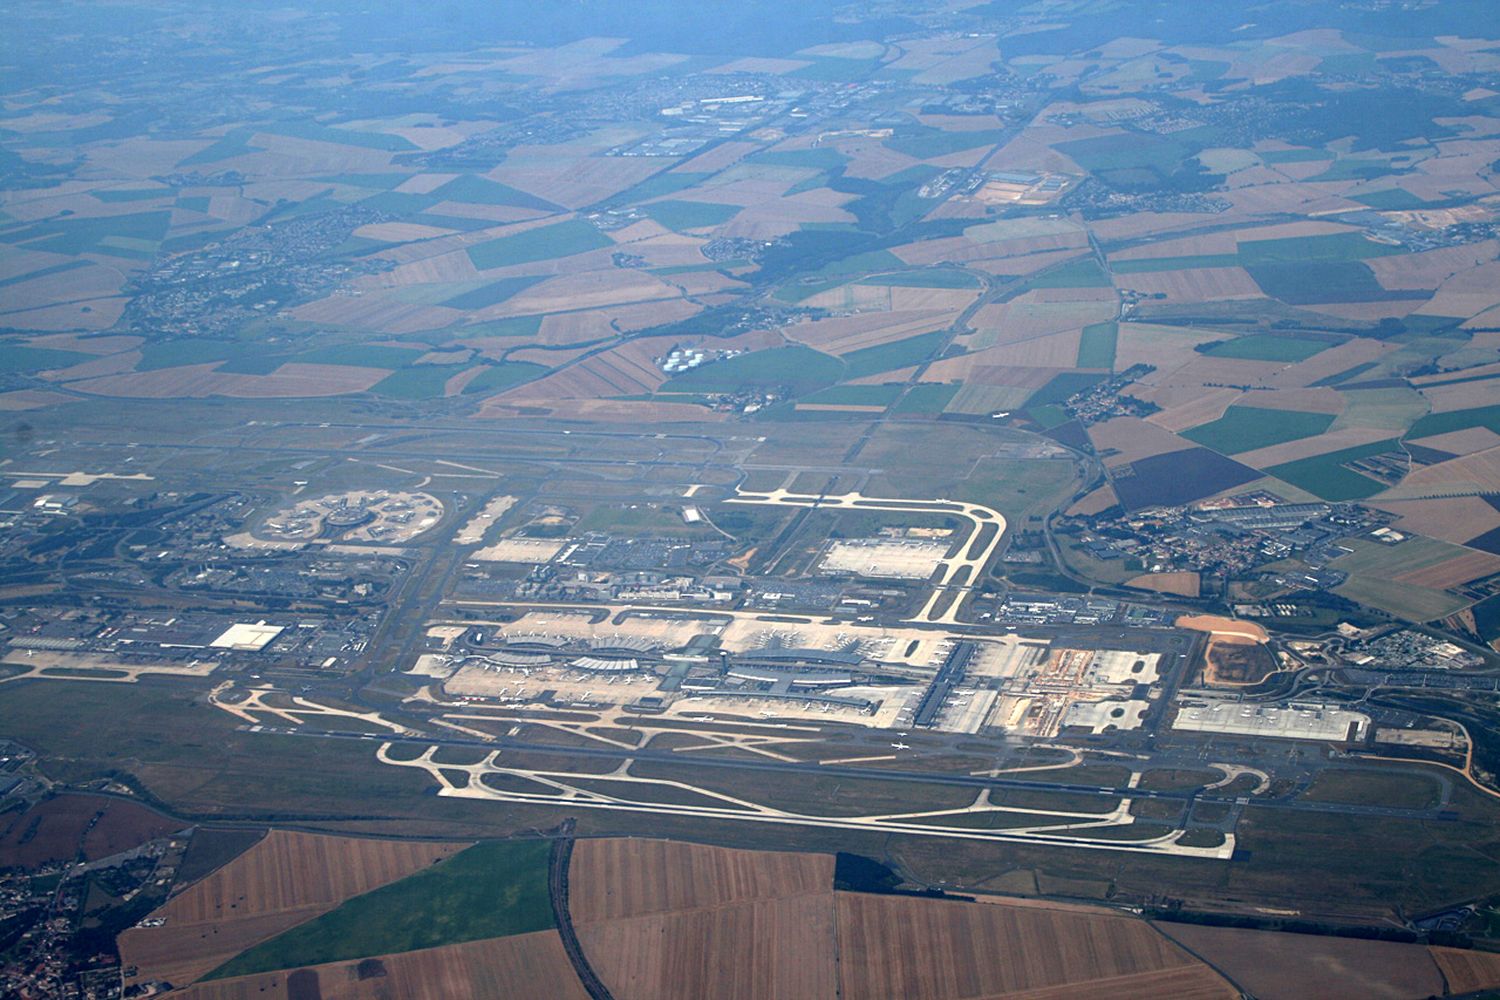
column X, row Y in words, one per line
column 781, row 948
column 524, row 966
column 1277, row 966
column 287, row 878
column 627, row 877
column 1188, row 982
column 900, row 948
column 1467, row 971
column 1193, row 284
column 59, row 830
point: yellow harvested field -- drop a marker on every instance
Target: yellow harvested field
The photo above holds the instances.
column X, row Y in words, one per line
column 1187, row 246
column 898, row 948
column 1203, row 284
column 842, row 334
column 1199, row 404
column 1452, row 572
column 718, row 158
column 1183, row 584
column 1467, row 971
column 114, row 364
column 400, row 232
column 526, row 965
column 1334, row 361
column 84, row 314
column 599, row 324
column 1322, row 444
column 1130, row 439
column 1421, row 380
column 629, row 877
column 1056, row 350
column 1163, row 347
column 1099, row 500
column 423, row 264
column 1464, row 442
column 585, row 290
column 32, row 399
column 1432, row 268
column 1467, row 293
column 1460, row 396
column 285, row 879
column 378, row 311
column 196, row 381
column 1478, row 472
column 572, row 178
column 760, row 64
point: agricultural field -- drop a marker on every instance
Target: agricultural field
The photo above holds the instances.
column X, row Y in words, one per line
column 284, row 880
column 860, row 348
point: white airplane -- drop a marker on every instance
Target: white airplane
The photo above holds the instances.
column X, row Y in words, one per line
column 900, row 746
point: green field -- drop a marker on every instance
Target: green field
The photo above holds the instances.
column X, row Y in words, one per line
column 133, row 236
column 563, row 239
column 857, row 395
column 497, row 377
column 18, row 358
column 1061, row 387
column 1096, row 348
column 491, row 890
column 1304, row 249
column 1311, row 282
column 801, row 369
column 1268, row 347
column 1457, row 420
column 929, row 397
column 1325, row 475
column 1246, row 428
column 1082, row 273
column 425, row 382
column 682, row 215
column 925, row 143
column 482, row 191
column 898, row 354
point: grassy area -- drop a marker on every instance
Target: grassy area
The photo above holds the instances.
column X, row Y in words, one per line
column 801, row 369
column 133, row 236
column 1246, row 428
column 1268, row 347
column 490, row 890
column 1398, row 789
column 1096, row 348
column 682, row 215
column 563, row 239
column 889, row 357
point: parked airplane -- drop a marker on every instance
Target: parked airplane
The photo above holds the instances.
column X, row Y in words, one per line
column 901, row 746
